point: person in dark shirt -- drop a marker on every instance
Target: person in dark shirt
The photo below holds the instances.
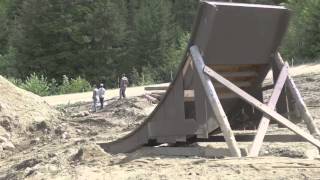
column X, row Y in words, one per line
column 124, row 82
column 101, row 93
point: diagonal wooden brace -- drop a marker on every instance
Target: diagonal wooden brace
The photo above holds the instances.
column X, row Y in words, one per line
column 215, row 103
column 262, row 107
column 299, row 100
column 264, row 123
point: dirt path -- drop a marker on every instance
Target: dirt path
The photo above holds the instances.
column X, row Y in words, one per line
column 86, row 97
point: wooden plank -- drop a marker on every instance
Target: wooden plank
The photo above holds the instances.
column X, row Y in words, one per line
column 242, row 84
column 199, row 151
column 215, row 102
column 299, row 100
column 234, row 67
column 157, row 96
column 250, row 138
column 239, row 74
column 262, row 107
column 151, row 88
column 188, row 95
column 151, row 99
column 264, row 123
column 267, row 87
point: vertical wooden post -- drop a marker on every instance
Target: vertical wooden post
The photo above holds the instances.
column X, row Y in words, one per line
column 299, row 100
column 264, row 123
column 215, row 103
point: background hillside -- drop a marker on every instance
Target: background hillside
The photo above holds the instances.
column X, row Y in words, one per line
column 99, row 40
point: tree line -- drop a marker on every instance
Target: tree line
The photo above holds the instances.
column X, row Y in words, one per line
column 99, row 40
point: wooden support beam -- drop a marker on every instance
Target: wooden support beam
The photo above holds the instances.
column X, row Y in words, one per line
column 151, row 99
column 215, row 103
column 262, row 107
column 240, row 74
column 299, row 100
column 199, row 151
column 264, row 122
column 188, row 95
column 242, row 84
column 152, row 88
column 235, row 67
column 250, row 138
column 267, row 87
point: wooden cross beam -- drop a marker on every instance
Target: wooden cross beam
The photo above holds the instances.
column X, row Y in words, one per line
column 215, row 103
column 306, row 116
column 264, row 122
column 262, row 107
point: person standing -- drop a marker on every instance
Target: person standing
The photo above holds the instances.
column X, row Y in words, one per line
column 101, row 95
column 124, row 82
column 95, row 98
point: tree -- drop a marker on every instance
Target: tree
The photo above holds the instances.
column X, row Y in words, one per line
column 154, row 36
column 57, row 37
column 303, row 39
column 185, row 12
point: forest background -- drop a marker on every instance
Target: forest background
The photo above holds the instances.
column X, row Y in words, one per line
column 65, row 46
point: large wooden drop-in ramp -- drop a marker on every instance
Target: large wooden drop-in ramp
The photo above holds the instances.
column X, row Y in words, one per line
column 219, row 83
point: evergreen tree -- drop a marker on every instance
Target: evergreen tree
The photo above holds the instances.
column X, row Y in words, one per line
column 185, row 12
column 154, row 36
column 57, row 37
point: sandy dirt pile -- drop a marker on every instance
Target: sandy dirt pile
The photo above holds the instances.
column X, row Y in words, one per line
column 21, row 112
column 23, row 106
column 71, row 140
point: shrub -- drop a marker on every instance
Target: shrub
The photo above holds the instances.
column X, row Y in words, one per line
column 79, row 85
column 36, row 84
column 64, row 87
column 74, row 85
column 54, row 87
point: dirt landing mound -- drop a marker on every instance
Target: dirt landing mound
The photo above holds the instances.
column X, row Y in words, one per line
column 19, row 108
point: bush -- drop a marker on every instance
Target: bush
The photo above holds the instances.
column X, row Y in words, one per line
column 74, row 85
column 36, row 84
column 64, row 87
column 40, row 86
column 79, row 85
column 54, row 87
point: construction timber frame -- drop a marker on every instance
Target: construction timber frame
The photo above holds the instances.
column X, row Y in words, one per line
column 218, row 87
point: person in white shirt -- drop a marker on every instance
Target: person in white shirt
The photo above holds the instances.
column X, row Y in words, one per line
column 95, row 99
column 101, row 95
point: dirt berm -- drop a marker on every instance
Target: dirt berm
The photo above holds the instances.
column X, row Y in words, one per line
column 21, row 111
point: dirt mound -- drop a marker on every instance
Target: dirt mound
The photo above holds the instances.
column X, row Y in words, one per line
column 20, row 109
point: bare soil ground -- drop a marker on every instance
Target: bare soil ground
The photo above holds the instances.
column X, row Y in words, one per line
column 65, row 148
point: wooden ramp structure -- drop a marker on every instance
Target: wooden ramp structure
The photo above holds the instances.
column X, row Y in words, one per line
column 219, row 85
